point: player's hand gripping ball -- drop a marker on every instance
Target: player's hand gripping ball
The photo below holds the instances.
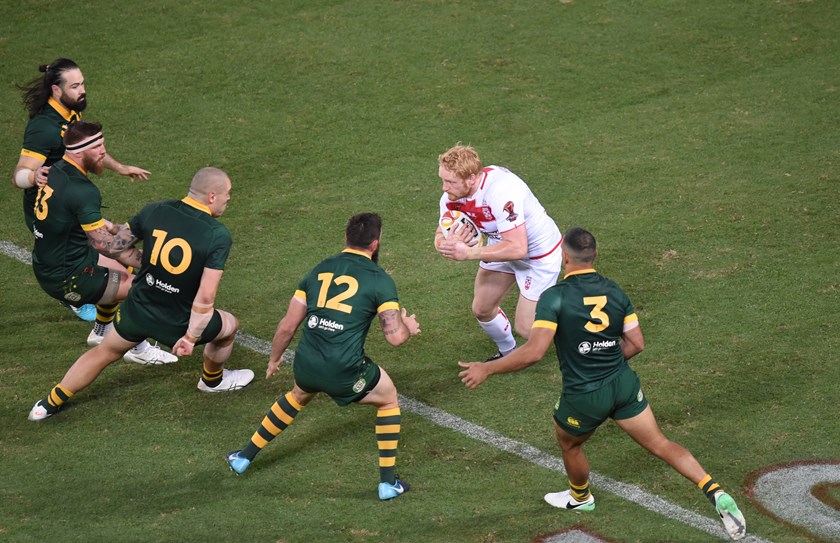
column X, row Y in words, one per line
column 453, row 222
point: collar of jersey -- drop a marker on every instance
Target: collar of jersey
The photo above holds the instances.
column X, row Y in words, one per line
column 355, row 252
column 578, row 272
column 59, row 107
column 73, row 163
column 198, row 205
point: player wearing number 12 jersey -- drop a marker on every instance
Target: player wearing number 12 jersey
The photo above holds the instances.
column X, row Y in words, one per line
column 171, row 300
column 336, row 303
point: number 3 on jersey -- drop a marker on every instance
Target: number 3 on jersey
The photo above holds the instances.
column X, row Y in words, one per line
column 599, row 302
column 162, row 250
column 326, row 280
column 41, row 207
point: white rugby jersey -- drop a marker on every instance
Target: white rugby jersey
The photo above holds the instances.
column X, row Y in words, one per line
column 503, row 202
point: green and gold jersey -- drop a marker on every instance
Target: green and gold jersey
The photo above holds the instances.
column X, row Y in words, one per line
column 43, row 141
column 180, row 238
column 342, row 294
column 588, row 313
column 67, row 206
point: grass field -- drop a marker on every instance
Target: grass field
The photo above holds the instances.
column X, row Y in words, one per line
column 696, row 140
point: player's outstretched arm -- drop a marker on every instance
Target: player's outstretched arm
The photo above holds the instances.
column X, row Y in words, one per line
column 135, row 173
column 529, row 354
column 286, row 330
column 201, row 311
column 398, row 326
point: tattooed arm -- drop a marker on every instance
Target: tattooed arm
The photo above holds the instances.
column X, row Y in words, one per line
column 117, row 242
column 398, row 326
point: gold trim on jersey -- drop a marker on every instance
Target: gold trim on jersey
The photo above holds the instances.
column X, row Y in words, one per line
column 73, row 163
column 93, row 226
column 544, row 324
column 388, row 305
column 356, row 252
column 578, row 272
column 63, row 111
column 198, row 205
column 33, row 154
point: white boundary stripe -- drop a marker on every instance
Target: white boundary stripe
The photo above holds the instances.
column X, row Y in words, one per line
column 13, row 251
column 645, row 499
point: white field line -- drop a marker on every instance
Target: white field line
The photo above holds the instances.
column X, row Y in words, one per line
column 645, row 499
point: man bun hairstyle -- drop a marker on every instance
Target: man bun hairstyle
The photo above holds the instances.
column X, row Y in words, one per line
column 363, row 229
column 37, row 92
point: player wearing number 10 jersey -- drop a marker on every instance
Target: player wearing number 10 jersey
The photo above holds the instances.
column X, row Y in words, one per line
column 171, row 300
column 180, row 238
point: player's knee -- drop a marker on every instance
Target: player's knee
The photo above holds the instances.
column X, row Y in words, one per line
column 484, row 314
column 230, row 324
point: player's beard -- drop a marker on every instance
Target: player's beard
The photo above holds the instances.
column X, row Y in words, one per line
column 95, row 166
column 375, row 256
column 78, row 105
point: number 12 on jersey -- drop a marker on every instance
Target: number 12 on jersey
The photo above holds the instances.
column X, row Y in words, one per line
column 326, row 280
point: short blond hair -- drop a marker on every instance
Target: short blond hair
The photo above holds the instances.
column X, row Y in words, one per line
column 208, row 180
column 462, row 160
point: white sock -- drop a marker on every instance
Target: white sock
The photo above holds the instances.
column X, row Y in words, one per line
column 500, row 331
column 140, row 347
column 101, row 329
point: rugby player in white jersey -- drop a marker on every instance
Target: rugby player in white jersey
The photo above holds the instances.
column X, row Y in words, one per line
column 523, row 241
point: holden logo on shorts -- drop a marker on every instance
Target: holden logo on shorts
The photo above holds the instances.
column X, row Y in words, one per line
column 150, row 280
column 312, row 322
column 584, row 347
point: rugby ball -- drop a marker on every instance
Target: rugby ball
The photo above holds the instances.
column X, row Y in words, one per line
column 453, row 220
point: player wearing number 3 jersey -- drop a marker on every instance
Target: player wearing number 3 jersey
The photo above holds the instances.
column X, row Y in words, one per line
column 595, row 330
column 336, row 303
column 75, row 247
column 171, row 300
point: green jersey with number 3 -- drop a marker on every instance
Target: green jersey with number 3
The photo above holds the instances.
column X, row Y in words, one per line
column 588, row 313
column 67, row 206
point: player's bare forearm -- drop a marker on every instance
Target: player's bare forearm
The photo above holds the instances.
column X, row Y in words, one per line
column 522, row 357
column 282, row 338
column 135, row 173
column 398, row 326
column 131, row 257
column 286, row 330
column 112, row 245
column 393, row 328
